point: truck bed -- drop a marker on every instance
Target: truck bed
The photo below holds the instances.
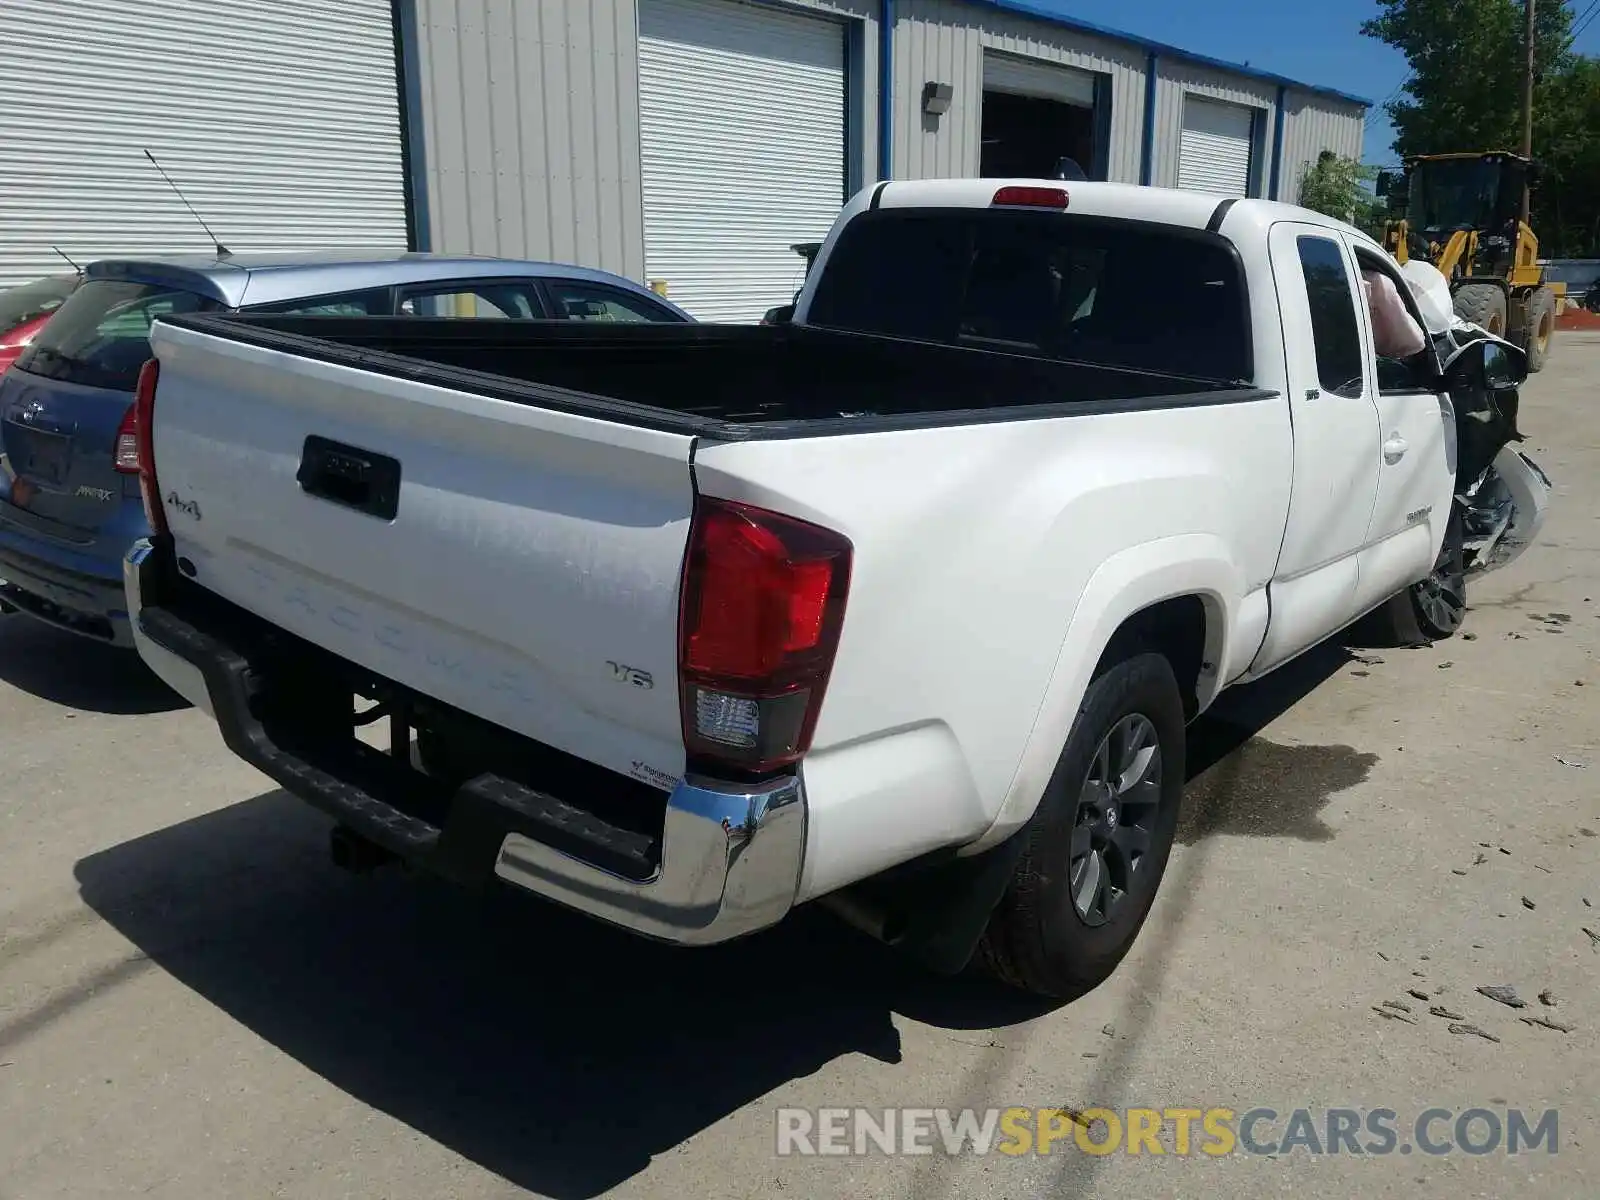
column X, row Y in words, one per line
column 727, row 382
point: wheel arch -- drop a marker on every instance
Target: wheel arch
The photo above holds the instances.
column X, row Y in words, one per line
column 1179, row 596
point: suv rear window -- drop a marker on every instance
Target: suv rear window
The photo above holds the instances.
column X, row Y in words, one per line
column 101, row 336
column 1090, row 289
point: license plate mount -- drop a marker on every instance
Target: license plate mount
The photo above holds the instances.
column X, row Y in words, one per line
column 45, row 457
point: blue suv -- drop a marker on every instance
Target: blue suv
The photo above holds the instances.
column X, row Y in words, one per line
column 69, row 485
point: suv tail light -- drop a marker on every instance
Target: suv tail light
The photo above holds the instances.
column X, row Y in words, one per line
column 126, row 456
column 762, row 606
column 143, row 414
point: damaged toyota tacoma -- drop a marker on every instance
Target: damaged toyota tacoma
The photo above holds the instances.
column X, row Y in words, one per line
column 902, row 604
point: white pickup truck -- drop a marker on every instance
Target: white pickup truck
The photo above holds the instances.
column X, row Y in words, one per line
column 905, row 603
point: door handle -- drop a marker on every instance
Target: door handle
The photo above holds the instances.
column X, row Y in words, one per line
column 1395, row 449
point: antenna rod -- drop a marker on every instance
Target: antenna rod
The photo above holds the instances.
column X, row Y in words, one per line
column 70, row 263
column 222, row 251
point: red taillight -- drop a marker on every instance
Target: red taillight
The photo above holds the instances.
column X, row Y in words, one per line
column 126, row 456
column 1032, row 197
column 763, row 602
column 143, row 415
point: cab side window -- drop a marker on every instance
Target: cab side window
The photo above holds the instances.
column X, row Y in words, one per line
column 1333, row 315
column 1417, row 373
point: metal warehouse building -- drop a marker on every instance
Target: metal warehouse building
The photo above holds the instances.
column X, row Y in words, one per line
column 687, row 142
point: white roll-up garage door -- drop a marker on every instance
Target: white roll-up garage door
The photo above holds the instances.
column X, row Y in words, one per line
column 279, row 119
column 742, row 139
column 1215, row 152
column 1031, row 77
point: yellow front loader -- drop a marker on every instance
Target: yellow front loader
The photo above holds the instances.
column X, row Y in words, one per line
column 1462, row 213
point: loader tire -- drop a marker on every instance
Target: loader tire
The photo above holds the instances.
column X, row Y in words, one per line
column 1483, row 304
column 1064, row 922
column 1539, row 328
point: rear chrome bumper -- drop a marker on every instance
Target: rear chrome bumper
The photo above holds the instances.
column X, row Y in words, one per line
column 730, row 865
column 730, row 854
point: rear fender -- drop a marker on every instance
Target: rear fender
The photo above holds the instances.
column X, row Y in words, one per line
column 1127, row 583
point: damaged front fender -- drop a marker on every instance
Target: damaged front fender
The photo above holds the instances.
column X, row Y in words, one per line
column 1505, row 511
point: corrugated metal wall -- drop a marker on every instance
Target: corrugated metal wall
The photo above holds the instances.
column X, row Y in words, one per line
column 279, row 119
column 1312, row 124
column 1175, row 80
column 943, row 41
column 529, row 111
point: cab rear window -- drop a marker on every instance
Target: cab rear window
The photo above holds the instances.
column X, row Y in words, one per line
column 1106, row 291
column 101, row 336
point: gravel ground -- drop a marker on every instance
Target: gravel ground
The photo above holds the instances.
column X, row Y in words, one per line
column 194, row 1003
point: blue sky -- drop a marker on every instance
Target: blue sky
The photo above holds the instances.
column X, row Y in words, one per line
column 1318, row 41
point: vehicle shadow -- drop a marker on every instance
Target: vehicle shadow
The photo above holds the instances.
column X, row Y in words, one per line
column 553, row 1051
column 79, row 673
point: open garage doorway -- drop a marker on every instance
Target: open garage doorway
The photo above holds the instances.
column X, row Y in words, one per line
column 1040, row 121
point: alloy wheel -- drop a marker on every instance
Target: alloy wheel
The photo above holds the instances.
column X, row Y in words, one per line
column 1116, row 817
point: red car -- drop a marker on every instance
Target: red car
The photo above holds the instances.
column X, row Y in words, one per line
column 25, row 309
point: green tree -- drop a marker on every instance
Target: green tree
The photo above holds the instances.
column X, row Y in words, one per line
column 1465, row 94
column 1465, row 89
column 1566, row 206
column 1333, row 185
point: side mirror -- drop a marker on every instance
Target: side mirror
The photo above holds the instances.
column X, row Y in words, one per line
column 781, row 315
column 1487, row 366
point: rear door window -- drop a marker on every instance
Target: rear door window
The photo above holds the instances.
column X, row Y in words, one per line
column 101, row 336
column 1106, row 291
column 500, row 299
column 577, row 300
column 371, row 303
column 1333, row 315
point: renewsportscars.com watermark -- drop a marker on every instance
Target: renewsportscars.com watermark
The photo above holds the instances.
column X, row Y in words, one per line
column 1182, row 1132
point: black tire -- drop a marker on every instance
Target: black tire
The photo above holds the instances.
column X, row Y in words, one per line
column 1539, row 328
column 1434, row 608
column 1037, row 938
column 1483, row 304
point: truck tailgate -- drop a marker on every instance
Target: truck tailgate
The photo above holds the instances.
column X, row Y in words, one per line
column 519, row 563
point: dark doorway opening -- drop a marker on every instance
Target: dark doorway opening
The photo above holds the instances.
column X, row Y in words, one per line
column 1028, row 136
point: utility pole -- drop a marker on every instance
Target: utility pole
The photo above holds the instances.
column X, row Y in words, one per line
column 1527, row 101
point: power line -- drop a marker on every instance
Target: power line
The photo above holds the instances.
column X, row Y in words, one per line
column 1586, row 19
column 1377, row 111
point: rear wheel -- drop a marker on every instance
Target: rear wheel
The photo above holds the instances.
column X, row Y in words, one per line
column 1098, row 845
column 1483, row 304
column 1540, row 327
